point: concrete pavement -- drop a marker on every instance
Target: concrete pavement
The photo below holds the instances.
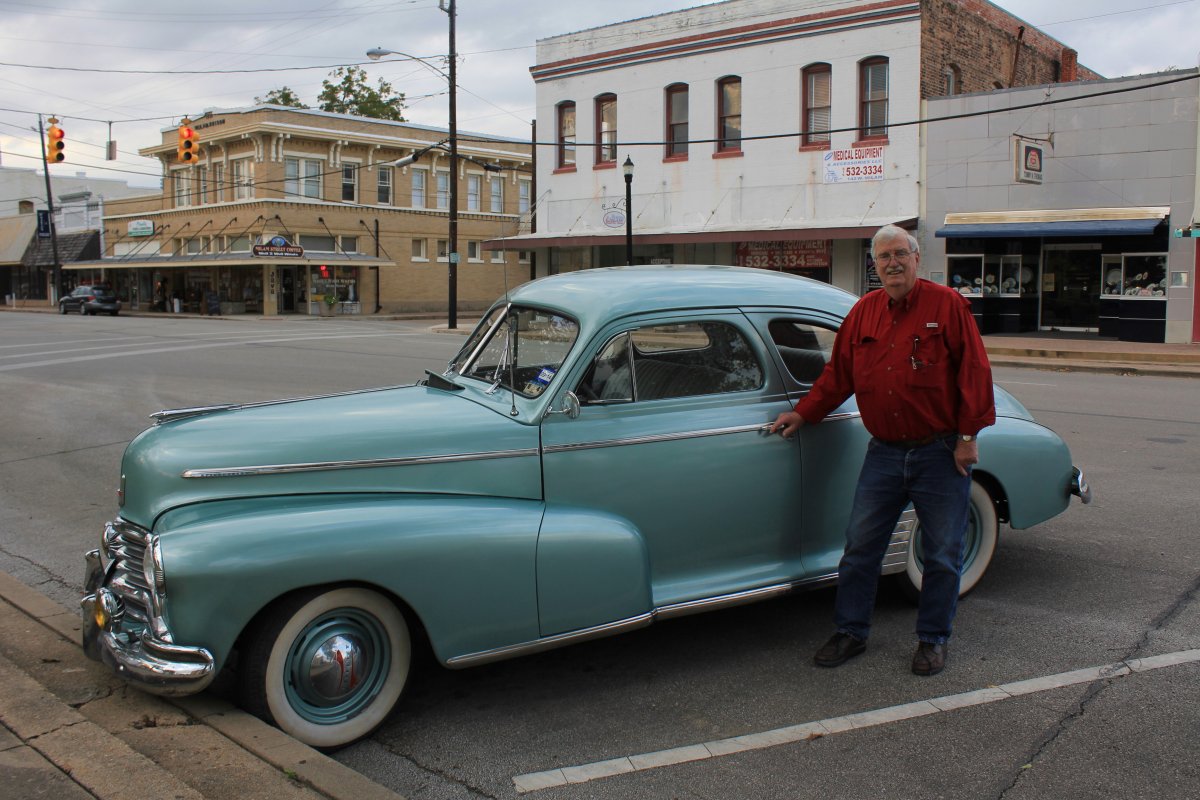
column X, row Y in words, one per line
column 71, row 730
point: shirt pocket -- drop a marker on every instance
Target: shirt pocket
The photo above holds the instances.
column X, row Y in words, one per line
column 930, row 361
column 867, row 354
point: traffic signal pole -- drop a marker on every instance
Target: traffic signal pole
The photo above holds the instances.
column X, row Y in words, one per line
column 56, row 280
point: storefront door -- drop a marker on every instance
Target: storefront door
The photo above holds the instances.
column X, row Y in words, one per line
column 1071, row 283
column 287, row 290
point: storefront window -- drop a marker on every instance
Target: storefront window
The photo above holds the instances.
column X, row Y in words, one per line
column 965, row 274
column 1145, row 275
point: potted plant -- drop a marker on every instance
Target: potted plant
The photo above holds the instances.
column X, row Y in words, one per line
column 328, row 302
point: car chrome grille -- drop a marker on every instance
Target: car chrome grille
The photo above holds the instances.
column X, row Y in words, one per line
column 896, row 557
column 127, row 581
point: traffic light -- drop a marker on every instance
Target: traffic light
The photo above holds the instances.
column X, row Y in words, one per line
column 56, row 143
column 189, row 143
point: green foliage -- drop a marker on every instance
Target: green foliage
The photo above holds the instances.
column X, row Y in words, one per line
column 283, row 96
column 346, row 92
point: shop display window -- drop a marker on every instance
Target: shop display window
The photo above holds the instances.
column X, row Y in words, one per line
column 1145, row 275
column 965, row 274
column 1010, row 276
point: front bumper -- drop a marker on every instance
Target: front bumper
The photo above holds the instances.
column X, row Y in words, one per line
column 146, row 661
column 1079, row 486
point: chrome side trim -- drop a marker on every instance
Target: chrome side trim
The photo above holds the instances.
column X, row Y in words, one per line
column 550, row 642
column 317, row 466
column 658, row 437
column 172, row 414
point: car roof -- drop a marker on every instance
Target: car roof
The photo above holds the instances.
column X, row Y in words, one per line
column 597, row 295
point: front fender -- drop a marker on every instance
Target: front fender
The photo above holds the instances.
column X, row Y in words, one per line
column 464, row 565
column 1033, row 466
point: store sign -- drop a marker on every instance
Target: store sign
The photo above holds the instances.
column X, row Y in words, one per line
column 854, row 165
column 613, row 214
column 43, row 223
column 278, row 247
column 803, row 254
column 1029, row 162
column 140, row 227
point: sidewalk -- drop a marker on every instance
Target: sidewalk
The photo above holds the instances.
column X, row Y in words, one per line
column 69, row 729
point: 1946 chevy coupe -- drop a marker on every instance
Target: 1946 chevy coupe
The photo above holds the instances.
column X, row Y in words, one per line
column 595, row 458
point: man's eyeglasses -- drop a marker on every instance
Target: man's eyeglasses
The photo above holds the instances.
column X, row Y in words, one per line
column 895, row 255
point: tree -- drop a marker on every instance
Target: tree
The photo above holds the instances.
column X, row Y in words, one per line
column 348, row 93
column 283, row 96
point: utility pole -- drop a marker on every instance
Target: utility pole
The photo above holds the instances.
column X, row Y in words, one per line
column 452, row 323
column 56, row 279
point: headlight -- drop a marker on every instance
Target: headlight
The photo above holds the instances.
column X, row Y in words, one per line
column 152, row 567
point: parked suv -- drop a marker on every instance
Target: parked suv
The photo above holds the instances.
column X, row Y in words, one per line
column 90, row 299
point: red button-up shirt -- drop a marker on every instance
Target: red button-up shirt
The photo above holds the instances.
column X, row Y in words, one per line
column 917, row 366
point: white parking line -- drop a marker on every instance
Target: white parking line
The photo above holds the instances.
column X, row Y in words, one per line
column 563, row 776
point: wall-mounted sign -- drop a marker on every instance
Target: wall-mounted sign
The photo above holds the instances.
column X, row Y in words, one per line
column 854, row 165
column 140, row 227
column 797, row 255
column 278, row 247
column 613, row 214
column 1029, row 162
column 43, row 223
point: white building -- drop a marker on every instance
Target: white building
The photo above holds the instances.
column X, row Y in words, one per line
column 761, row 132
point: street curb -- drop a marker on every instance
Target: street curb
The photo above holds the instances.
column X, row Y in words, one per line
column 1103, row 367
column 270, row 745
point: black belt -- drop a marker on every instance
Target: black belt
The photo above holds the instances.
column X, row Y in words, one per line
column 909, row 444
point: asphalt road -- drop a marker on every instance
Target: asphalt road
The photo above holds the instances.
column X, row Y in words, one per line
column 1113, row 581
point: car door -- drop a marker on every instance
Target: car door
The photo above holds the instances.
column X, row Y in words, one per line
column 832, row 452
column 666, row 489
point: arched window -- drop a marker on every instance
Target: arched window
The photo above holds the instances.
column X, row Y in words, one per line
column 675, row 108
column 953, row 80
column 816, row 82
column 566, row 134
column 729, row 114
column 606, row 129
column 873, row 98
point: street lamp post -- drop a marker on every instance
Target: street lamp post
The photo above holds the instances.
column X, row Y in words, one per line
column 377, row 53
column 627, row 168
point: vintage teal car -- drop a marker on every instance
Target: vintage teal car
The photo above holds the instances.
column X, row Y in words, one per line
column 594, row 459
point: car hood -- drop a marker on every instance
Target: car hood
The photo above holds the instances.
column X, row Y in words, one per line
column 408, row 439
column 1009, row 406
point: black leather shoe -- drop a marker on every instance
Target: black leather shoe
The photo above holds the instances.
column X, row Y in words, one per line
column 930, row 659
column 840, row 648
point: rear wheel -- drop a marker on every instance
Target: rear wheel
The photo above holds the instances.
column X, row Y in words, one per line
column 983, row 532
column 326, row 666
column 62, row 308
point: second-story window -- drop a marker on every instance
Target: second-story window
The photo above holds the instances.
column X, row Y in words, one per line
column 350, row 183
column 442, row 176
column 302, row 177
column 606, row 129
column 241, row 173
column 218, row 183
column 566, row 134
column 383, row 184
column 729, row 114
column 873, row 98
column 524, row 196
column 420, row 178
column 676, row 107
column 496, row 194
column 817, row 80
column 474, row 189
column 953, row 80
column 201, row 185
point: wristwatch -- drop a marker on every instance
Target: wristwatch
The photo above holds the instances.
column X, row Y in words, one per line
column 966, row 437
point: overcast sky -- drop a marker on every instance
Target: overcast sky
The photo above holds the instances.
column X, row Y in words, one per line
column 495, row 43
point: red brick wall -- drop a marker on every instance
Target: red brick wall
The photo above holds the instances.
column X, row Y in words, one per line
column 980, row 39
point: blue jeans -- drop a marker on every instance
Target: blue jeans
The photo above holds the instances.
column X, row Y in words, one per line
column 891, row 478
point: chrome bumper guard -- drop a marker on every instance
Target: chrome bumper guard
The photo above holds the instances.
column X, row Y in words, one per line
column 149, row 663
column 1079, row 486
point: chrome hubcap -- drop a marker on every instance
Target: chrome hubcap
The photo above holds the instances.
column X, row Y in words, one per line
column 337, row 667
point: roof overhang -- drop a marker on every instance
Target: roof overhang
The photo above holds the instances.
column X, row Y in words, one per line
column 231, row 260
column 818, row 229
column 1135, row 221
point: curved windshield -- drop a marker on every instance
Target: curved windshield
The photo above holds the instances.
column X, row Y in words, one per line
column 520, row 348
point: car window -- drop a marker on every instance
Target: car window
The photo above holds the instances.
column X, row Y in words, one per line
column 662, row 361
column 526, row 349
column 804, row 347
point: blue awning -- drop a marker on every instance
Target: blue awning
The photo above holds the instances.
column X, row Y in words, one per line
column 1051, row 223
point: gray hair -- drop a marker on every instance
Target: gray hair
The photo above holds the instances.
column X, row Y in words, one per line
column 889, row 232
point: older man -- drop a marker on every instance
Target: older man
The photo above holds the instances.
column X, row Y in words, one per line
column 912, row 354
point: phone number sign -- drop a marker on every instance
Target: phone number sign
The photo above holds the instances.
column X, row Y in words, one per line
column 854, row 165
column 814, row 254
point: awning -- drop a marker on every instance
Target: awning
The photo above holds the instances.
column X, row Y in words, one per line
column 229, row 260
column 815, row 229
column 15, row 235
column 1136, row 221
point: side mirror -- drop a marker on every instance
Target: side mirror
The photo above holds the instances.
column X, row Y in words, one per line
column 570, row 407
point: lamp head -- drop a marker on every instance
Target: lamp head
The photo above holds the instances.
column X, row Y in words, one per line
column 376, row 53
column 627, row 167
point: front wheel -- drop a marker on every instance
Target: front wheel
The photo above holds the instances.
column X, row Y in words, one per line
column 326, row 666
column 979, row 545
column 62, row 308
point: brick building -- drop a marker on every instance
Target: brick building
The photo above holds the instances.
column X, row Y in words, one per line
column 772, row 133
column 286, row 208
